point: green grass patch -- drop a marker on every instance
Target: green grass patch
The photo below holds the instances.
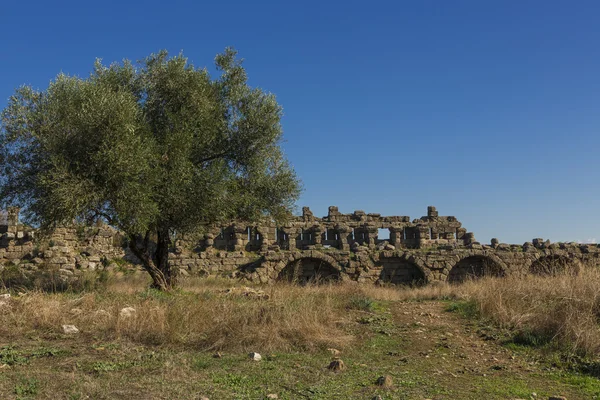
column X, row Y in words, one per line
column 11, row 356
column 467, row 309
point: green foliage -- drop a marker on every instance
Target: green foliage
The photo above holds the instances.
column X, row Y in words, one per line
column 468, row 309
column 157, row 147
column 27, row 387
column 141, row 146
column 361, row 303
column 11, row 356
column 529, row 337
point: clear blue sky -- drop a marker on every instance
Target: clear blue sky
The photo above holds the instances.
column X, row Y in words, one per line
column 488, row 110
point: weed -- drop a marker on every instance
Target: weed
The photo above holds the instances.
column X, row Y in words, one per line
column 11, row 356
column 27, row 387
column 468, row 309
column 361, row 303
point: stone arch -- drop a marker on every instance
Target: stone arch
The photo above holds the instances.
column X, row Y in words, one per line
column 554, row 264
column 398, row 270
column 314, row 267
column 476, row 266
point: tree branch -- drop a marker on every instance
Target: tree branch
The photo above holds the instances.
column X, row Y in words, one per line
column 213, row 157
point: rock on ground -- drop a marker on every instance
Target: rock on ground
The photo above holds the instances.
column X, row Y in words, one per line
column 127, row 312
column 70, row 329
column 255, row 356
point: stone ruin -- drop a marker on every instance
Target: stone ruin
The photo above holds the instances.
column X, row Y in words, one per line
column 361, row 247
column 342, row 232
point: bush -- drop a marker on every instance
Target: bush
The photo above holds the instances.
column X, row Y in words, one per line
column 12, row 277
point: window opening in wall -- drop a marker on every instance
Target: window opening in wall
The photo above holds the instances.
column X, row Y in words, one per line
column 249, row 232
column 430, row 233
column 352, row 234
column 403, row 233
column 326, row 234
column 383, row 234
column 456, row 233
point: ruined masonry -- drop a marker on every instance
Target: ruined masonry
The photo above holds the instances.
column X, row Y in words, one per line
column 360, row 247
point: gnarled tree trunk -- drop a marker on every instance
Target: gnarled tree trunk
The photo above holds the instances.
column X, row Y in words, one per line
column 156, row 262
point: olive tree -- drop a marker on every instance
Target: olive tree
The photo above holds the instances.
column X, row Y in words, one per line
column 155, row 149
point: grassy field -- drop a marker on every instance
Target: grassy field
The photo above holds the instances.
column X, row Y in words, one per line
column 509, row 338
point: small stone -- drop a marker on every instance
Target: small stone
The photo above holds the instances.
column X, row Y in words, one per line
column 5, row 296
column 378, row 397
column 334, row 352
column 255, row 356
column 557, row 398
column 336, row 365
column 385, row 381
column 272, row 396
column 127, row 312
column 70, row 329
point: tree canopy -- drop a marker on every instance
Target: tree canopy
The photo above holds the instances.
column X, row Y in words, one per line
column 153, row 148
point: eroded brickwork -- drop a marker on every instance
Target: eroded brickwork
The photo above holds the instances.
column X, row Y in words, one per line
column 360, row 247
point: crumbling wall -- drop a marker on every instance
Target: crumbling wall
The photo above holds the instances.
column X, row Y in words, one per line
column 69, row 250
column 344, row 247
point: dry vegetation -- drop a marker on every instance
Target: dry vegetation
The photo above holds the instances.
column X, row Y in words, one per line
column 562, row 310
column 212, row 317
column 379, row 330
column 213, row 314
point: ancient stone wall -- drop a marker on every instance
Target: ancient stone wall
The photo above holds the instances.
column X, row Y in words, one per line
column 340, row 247
column 69, row 250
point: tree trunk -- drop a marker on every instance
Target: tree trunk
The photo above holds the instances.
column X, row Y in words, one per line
column 158, row 265
column 163, row 243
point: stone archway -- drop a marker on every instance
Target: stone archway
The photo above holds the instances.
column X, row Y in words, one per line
column 309, row 270
column 554, row 265
column 400, row 271
column 473, row 267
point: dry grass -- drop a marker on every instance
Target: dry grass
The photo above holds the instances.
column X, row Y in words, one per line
column 563, row 309
column 207, row 314
column 213, row 317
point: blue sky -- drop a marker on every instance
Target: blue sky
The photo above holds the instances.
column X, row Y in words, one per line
column 488, row 110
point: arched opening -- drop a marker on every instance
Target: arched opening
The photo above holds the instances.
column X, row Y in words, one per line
column 474, row 267
column 309, row 270
column 553, row 265
column 401, row 272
